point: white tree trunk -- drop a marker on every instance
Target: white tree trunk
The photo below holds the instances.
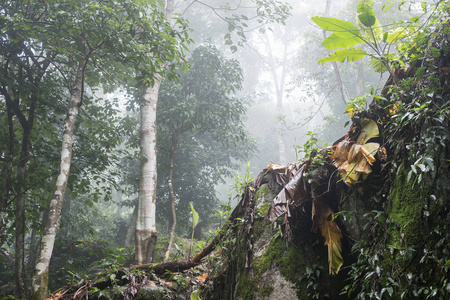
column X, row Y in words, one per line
column 40, row 278
column 279, row 82
column 146, row 234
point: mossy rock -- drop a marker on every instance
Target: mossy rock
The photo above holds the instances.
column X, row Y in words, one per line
column 150, row 292
column 407, row 203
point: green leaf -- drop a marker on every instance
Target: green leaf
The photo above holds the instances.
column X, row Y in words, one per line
column 194, row 216
column 420, row 72
column 334, row 41
column 374, row 33
column 195, row 296
column 394, row 36
column 340, row 28
column 378, row 65
column 366, row 14
column 342, row 55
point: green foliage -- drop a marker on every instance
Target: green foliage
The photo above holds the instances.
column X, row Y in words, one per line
column 241, row 180
column 203, row 119
column 346, row 35
column 406, row 254
column 311, row 149
column 194, row 224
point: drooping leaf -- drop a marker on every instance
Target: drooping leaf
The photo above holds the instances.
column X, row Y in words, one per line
column 338, row 27
column 296, row 187
column 365, row 13
column 335, row 41
column 350, row 54
column 355, row 159
column 323, row 218
column 293, row 192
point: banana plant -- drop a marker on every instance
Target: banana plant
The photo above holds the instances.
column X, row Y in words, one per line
column 345, row 35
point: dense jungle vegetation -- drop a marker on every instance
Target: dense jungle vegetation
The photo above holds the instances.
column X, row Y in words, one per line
column 252, row 150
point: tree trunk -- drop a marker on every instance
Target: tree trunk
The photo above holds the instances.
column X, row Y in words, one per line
column 27, row 125
column 132, row 228
column 337, row 72
column 40, row 278
column 20, row 217
column 279, row 82
column 172, row 197
column 7, row 172
column 146, row 234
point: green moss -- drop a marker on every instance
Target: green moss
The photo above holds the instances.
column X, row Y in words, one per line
column 262, row 211
column 274, row 251
column 258, row 229
column 407, row 203
column 247, row 287
column 41, row 292
column 293, row 263
column 261, row 193
column 266, row 290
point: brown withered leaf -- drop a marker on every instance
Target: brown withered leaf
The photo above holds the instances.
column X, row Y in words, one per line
column 293, row 192
column 202, row 278
column 275, row 175
column 323, row 218
column 382, row 153
column 353, row 159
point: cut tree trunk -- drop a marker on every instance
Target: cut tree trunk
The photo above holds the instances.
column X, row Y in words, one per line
column 40, row 278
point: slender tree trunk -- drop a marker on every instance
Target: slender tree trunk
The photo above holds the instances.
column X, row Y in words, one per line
column 146, row 234
column 7, row 171
column 132, row 228
column 20, row 217
column 172, row 197
column 40, row 279
column 337, row 72
column 27, row 126
column 279, row 82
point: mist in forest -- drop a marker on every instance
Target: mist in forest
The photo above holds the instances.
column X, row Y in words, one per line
column 240, row 88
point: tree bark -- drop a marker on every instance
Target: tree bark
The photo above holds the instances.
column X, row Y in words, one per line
column 146, row 234
column 27, row 126
column 7, row 170
column 131, row 228
column 172, row 197
column 40, row 278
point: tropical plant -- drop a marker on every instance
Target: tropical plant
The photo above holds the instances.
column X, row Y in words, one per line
column 195, row 219
column 368, row 31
